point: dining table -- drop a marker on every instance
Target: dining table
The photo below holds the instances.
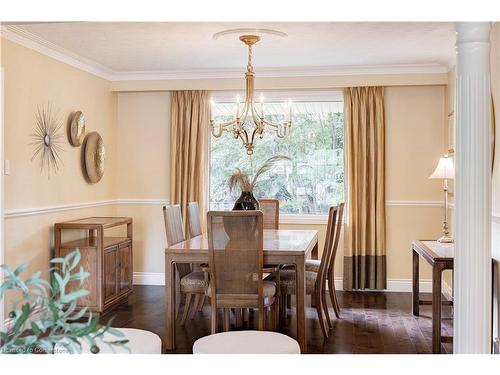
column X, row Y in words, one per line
column 281, row 246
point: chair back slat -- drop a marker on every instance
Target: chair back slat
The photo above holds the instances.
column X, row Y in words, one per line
column 337, row 233
column 271, row 210
column 235, row 243
column 329, row 240
column 174, row 232
column 194, row 219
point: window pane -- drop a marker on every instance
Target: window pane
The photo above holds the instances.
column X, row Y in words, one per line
column 308, row 184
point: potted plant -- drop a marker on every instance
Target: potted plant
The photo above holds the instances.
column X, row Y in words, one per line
column 247, row 183
column 45, row 317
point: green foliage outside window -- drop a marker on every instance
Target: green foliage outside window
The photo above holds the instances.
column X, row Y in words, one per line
column 309, row 184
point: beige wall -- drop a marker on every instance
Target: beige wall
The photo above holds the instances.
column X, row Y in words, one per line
column 31, row 80
column 414, row 138
column 144, row 153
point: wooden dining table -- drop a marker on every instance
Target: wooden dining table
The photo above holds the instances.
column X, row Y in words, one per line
column 281, row 246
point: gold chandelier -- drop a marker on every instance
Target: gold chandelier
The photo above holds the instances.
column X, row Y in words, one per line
column 240, row 126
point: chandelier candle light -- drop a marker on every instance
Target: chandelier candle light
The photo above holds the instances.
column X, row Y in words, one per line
column 444, row 170
column 250, row 115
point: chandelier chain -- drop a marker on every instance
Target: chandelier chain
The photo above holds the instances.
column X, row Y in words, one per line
column 249, row 65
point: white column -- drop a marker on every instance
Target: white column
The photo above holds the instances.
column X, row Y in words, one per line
column 472, row 286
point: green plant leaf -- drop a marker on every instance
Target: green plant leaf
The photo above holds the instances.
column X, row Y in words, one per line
column 76, row 259
column 20, row 269
column 79, row 314
column 58, row 260
column 115, row 332
column 21, row 319
column 35, row 329
column 74, row 295
column 60, row 282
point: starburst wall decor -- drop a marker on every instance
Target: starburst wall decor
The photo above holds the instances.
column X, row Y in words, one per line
column 47, row 140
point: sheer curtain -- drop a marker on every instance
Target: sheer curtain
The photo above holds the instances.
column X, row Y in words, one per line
column 190, row 122
column 365, row 253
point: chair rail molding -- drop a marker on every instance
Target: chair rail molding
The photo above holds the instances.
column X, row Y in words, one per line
column 20, row 212
column 284, row 218
column 472, row 215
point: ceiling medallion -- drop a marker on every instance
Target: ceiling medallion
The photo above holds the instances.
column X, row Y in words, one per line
column 249, row 121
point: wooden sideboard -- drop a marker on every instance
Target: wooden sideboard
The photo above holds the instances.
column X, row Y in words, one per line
column 108, row 259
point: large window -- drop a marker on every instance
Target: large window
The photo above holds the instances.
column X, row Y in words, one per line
column 308, row 184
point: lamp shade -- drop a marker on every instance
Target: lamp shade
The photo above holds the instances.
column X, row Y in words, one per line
column 444, row 169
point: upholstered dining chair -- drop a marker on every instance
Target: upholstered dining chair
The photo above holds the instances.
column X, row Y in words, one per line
column 194, row 219
column 236, row 254
column 316, row 281
column 271, row 210
column 191, row 283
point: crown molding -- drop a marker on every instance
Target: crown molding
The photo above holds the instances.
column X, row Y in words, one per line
column 311, row 71
column 29, row 40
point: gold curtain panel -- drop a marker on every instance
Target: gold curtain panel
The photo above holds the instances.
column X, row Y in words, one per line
column 365, row 253
column 190, row 124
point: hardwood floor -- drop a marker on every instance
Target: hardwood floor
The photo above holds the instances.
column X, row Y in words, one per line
column 371, row 323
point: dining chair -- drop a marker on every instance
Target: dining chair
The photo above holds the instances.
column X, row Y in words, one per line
column 194, row 219
column 271, row 209
column 191, row 283
column 236, row 254
column 195, row 230
column 313, row 264
column 316, row 281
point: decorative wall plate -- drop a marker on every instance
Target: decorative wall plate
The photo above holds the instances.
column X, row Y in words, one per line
column 94, row 157
column 77, row 129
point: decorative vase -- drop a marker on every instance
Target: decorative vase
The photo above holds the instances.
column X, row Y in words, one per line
column 246, row 202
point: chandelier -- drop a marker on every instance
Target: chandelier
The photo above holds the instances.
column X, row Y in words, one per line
column 249, row 121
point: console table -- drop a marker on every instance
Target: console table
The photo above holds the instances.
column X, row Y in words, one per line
column 107, row 258
column 440, row 257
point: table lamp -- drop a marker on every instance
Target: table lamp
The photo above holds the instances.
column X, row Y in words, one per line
column 445, row 170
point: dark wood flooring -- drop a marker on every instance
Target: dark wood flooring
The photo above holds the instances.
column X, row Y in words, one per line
column 371, row 323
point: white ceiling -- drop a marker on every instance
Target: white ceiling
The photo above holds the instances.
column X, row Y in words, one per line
column 169, row 46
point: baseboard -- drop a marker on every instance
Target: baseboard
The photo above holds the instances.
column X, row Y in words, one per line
column 393, row 285
column 148, row 278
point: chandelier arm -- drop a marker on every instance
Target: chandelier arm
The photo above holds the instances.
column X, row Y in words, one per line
column 244, row 114
column 272, row 124
column 244, row 136
column 253, row 135
column 255, row 116
column 225, row 124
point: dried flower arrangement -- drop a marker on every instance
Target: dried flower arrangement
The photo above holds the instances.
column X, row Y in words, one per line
column 247, row 183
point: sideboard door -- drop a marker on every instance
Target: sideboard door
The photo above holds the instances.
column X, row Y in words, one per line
column 124, row 268
column 109, row 277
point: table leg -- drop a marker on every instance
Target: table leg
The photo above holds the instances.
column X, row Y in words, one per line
column 416, row 286
column 436, row 308
column 170, row 304
column 300, row 289
column 314, row 252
